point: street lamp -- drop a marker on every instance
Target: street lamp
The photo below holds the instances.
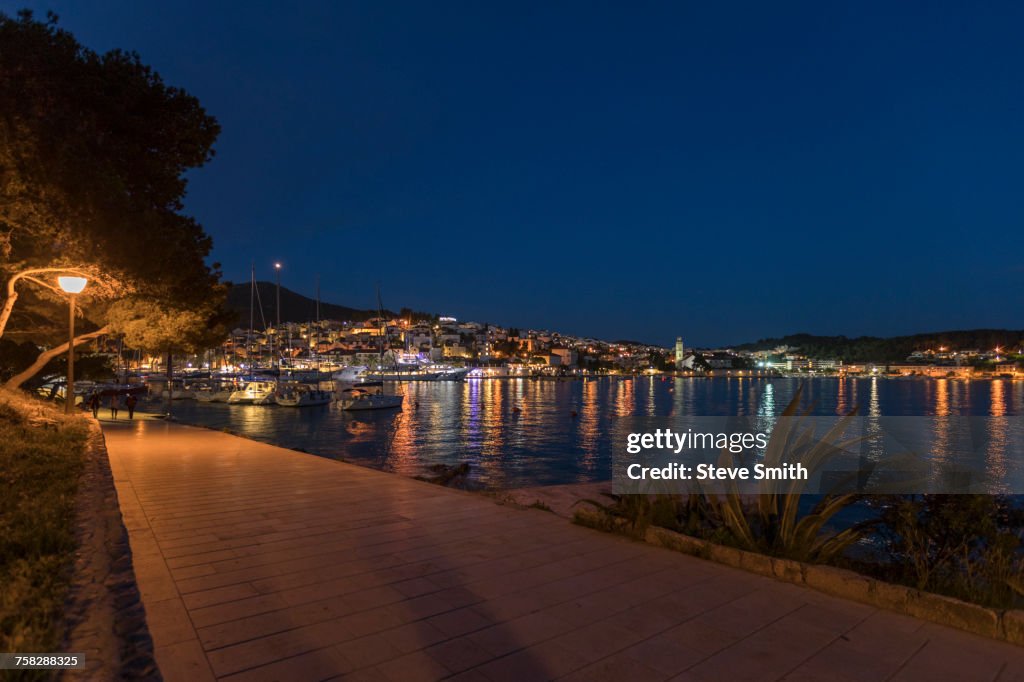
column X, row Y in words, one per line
column 277, row 324
column 72, row 286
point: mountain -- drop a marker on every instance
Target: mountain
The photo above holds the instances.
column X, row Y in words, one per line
column 893, row 349
column 294, row 306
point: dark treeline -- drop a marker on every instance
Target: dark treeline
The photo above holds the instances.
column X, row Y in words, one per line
column 894, row 349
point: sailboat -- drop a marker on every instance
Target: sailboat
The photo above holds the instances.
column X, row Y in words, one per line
column 365, row 397
column 214, row 392
column 255, row 392
column 301, row 394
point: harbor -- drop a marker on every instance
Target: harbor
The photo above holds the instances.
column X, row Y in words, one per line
column 575, row 342
column 520, row 432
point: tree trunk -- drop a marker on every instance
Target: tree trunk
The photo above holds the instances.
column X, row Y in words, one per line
column 18, row 379
column 170, row 381
column 5, row 312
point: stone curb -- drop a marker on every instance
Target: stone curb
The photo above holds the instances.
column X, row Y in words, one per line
column 106, row 620
column 1006, row 625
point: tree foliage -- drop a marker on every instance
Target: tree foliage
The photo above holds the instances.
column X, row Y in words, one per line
column 894, row 349
column 161, row 328
column 94, row 150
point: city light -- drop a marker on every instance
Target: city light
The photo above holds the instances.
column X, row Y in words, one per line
column 72, row 285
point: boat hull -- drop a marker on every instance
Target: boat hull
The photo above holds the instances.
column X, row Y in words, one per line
column 309, row 399
column 372, row 402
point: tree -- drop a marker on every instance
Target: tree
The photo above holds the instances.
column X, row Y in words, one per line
column 93, row 154
column 168, row 330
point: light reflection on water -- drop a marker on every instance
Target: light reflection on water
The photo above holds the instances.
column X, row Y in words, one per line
column 521, row 432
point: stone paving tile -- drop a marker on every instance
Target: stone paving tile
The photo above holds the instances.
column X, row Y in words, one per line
column 615, row 668
column 170, row 621
column 459, row 654
column 259, row 563
column 414, row 667
column 182, row 661
column 308, row 667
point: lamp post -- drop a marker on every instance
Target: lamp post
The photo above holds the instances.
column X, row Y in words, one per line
column 277, row 324
column 72, row 286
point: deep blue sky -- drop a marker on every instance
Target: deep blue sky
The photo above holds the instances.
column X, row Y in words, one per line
column 724, row 171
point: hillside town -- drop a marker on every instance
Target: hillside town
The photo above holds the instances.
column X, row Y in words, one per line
column 494, row 351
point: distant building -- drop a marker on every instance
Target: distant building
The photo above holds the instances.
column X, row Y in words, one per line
column 719, row 360
column 456, row 351
column 566, row 356
column 680, row 353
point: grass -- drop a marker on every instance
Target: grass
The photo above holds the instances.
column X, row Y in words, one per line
column 41, row 460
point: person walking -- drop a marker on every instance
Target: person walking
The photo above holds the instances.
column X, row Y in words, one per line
column 130, row 402
column 115, row 404
column 94, row 405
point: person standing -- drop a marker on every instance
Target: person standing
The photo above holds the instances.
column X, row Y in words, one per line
column 115, row 404
column 94, row 405
column 130, row 402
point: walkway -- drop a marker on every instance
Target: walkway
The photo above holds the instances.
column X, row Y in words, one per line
column 260, row 563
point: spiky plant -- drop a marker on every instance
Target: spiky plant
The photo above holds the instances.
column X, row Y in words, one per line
column 773, row 525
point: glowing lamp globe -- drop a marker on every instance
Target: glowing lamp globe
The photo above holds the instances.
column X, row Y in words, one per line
column 72, row 285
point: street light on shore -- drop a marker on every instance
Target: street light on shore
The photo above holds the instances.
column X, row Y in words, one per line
column 277, row 269
column 277, row 323
column 72, row 286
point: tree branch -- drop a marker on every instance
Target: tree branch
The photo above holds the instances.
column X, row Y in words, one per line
column 12, row 294
column 18, row 379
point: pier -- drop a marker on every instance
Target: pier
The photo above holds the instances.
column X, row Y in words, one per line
column 260, row 563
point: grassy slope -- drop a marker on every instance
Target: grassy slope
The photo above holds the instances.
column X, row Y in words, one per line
column 41, row 459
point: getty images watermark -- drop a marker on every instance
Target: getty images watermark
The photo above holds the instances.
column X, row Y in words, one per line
column 819, row 455
column 737, row 442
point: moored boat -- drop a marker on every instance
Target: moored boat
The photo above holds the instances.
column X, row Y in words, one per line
column 212, row 395
column 353, row 399
column 254, row 393
column 303, row 395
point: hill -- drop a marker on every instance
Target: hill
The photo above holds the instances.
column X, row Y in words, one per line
column 893, row 349
column 294, row 306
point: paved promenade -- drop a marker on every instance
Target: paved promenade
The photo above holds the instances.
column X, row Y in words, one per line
column 259, row 563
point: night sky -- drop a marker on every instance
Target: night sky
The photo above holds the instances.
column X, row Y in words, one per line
column 723, row 171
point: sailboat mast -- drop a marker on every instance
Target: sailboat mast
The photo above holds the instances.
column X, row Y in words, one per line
column 317, row 338
column 252, row 306
column 384, row 331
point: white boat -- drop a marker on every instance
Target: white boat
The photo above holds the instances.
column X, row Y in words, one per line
column 212, row 395
column 369, row 396
column 303, row 395
column 428, row 372
column 356, row 374
column 352, row 374
column 399, row 374
column 365, row 399
column 453, row 373
column 254, row 393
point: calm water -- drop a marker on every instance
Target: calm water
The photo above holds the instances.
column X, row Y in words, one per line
column 520, row 432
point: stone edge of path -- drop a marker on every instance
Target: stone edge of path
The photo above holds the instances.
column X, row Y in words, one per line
column 106, row 620
column 1004, row 625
